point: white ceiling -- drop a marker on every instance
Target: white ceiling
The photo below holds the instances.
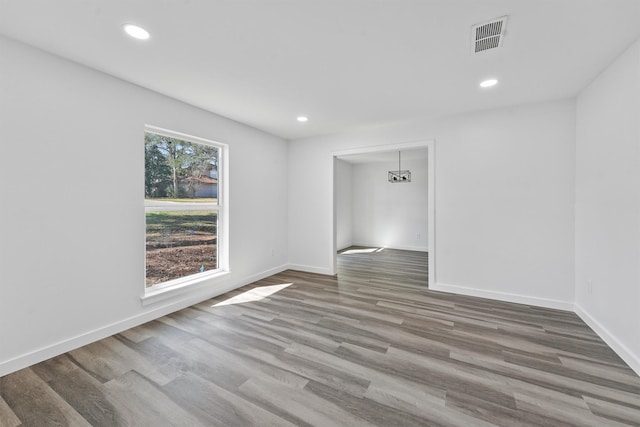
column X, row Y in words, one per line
column 343, row 63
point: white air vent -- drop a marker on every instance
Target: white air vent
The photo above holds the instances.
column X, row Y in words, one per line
column 488, row 35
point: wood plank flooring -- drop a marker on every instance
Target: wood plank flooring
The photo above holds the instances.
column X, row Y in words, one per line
column 369, row 347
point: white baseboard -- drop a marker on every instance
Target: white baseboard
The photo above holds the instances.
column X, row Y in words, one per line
column 310, row 269
column 44, row 353
column 616, row 345
column 399, row 247
column 503, row 296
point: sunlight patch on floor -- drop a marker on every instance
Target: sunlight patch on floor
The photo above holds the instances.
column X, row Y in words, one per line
column 255, row 294
column 361, row 251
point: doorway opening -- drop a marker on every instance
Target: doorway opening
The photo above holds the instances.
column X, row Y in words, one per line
column 380, row 221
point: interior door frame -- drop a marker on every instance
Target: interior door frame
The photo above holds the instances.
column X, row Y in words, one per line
column 430, row 145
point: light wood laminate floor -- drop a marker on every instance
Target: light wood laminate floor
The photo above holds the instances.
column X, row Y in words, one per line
column 370, row 347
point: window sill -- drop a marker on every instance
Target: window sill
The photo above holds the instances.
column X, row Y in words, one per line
column 175, row 288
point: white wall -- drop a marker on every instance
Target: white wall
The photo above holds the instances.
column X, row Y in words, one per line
column 504, row 199
column 72, row 255
column 344, row 204
column 607, row 213
column 504, row 208
column 390, row 215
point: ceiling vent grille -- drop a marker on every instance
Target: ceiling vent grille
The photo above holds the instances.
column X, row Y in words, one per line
column 488, row 35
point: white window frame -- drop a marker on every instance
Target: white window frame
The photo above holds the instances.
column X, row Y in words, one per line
column 184, row 284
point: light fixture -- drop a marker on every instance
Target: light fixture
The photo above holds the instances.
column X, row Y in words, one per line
column 489, row 83
column 136, row 32
column 302, row 119
column 399, row 175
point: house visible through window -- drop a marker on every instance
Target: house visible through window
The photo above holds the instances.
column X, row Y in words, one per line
column 182, row 207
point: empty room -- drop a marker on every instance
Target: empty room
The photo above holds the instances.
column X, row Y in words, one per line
column 320, row 213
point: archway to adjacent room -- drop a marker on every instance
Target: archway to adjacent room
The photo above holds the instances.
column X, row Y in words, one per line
column 370, row 164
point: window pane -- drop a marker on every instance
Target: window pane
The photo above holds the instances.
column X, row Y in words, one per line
column 176, row 169
column 180, row 243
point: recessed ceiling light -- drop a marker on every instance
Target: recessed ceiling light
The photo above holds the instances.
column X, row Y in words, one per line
column 302, row 119
column 489, row 83
column 136, row 32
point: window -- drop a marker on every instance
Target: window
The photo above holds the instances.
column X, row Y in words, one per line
column 183, row 208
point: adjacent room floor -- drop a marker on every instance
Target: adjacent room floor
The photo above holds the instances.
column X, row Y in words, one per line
column 371, row 346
